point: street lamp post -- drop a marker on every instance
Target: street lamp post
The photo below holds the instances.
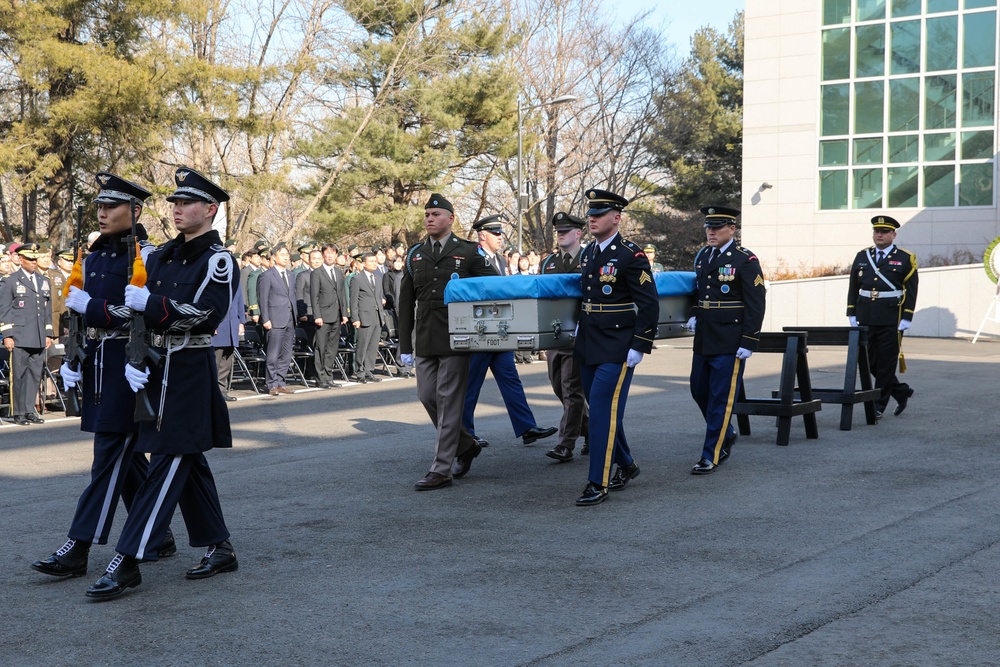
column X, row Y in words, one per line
column 562, row 99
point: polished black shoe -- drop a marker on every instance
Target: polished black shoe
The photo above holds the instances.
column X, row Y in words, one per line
column 537, row 433
column 121, row 575
column 218, row 559
column 169, row 546
column 560, row 453
column 482, row 442
column 35, row 419
column 622, row 476
column 727, row 447
column 703, row 467
column 432, row 481
column 902, row 401
column 21, row 420
column 69, row 561
column 372, row 378
column 229, row 399
column 463, row 463
column 592, row 495
column 585, row 450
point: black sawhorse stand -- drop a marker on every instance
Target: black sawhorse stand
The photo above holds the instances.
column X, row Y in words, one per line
column 794, row 367
column 856, row 341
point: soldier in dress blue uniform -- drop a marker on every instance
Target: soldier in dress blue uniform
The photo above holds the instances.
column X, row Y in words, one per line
column 191, row 283
column 726, row 322
column 26, row 327
column 620, row 311
column 882, row 295
column 108, row 404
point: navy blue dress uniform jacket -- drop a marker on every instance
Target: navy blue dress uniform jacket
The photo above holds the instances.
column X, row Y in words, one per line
column 900, row 271
column 26, row 314
column 619, row 276
column 730, row 306
column 191, row 288
column 421, row 293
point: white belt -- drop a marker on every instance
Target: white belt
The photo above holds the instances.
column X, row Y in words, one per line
column 875, row 294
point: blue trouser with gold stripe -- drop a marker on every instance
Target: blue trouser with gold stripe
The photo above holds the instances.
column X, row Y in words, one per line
column 606, row 388
column 715, row 382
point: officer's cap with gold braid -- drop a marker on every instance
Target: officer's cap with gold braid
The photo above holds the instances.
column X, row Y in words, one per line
column 719, row 216
column 196, row 187
column 29, row 250
column 885, row 222
column 602, row 201
column 493, row 223
column 116, row 190
column 437, row 201
column 563, row 221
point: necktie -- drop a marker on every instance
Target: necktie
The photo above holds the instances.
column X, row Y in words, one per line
column 34, row 285
column 284, row 276
column 881, row 256
column 712, row 255
column 371, row 279
column 333, row 275
column 567, row 261
column 437, row 249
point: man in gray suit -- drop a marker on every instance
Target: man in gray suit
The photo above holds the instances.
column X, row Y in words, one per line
column 328, row 298
column 276, row 297
column 367, row 315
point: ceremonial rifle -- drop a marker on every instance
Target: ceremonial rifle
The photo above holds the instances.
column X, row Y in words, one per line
column 76, row 351
column 137, row 349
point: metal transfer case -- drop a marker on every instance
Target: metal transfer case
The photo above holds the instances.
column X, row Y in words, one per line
column 506, row 313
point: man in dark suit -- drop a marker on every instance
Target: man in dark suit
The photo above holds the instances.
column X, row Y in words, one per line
column 328, row 300
column 726, row 321
column 367, row 316
column 441, row 373
column 276, row 297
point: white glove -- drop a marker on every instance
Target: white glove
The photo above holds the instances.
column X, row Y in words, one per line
column 853, row 320
column 743, row 353
column 77, row 300
column 407, row 359
column 904, row 325
column 136, row 297
column 691, row 323
column 69, row 377
column 633, row 359
column 136, row 379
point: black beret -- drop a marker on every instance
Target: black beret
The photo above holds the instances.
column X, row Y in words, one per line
column 437, row 201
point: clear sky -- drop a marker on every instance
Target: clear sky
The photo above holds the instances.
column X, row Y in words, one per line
column 679, row 19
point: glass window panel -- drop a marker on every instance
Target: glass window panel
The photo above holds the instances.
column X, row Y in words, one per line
column 836, row 118
column 867, row 188
column 870, row 50
column 977, row 145
column 979, row 40
column 904, row 149
column 938, row 6
column 837, row 54
column 833, row 153
column 905, row 8
column 939, row 185
column 836, row 11
column 975, row 4
column 904, row 104
column 976, row 186
column 871, row 10
column 938, row 147
column 868, row 104
column 942, row 43
column 977, row 99
column 903, row 186
column 939, row 110
column 868, row 151
column 833, row 189
column 904, row 57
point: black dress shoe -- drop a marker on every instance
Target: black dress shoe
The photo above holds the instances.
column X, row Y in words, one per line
column 482, row 442
column 121, row 575
column 69, row 561
column 21, row 420
column 537, row 433
column 585, row 450
column 169, row 546
column 432, row 481
column 218, row 559
column 229, row 399
column 902, row 401
column 592, row 495
column 703, row 467
column 463, row 463
column 622, row 476
column 560, row 453
column 372, row 378
column 727, row 446
column 35, row 419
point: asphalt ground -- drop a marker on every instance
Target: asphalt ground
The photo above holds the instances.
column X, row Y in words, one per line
column 875, row 546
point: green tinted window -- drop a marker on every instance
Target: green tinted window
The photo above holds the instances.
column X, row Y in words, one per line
column 868, row 151
column 938, row 6
column 871, row 10
column 867, row 188
column 939, row 185
column 939, row 110
column 833, row 189
column 903, row 186
column 979, row 43
column 837, row 54
column 905, row 8
column 938, row 147
column 833, row 153
column 904, row 149
column 836, row 100
column 977, row 99
column 836, row 11
column 870, row 51
column 977, row 145
column 904, row 104
column 868, row 104
column 975, row 4
column 904, row 58
column 942, row 43
column 976, row 187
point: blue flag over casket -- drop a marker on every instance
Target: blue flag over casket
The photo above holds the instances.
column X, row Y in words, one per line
column 557, row 286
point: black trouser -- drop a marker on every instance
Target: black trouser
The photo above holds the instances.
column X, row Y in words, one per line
column 883, row 354
column 326, row 350
column 224, row 360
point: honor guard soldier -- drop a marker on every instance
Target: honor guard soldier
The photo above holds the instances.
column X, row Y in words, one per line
column 882, row 295
column 26, row 326
column 618, row 319
column 564, row 369
column 726, row 320
column 108, row 405
column 442, row 374
column 190, row 286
